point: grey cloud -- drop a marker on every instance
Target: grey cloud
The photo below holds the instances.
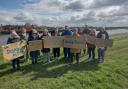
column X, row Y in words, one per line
column 107, row 3
column 74, row 6
column 21, row 17
column 54, row 3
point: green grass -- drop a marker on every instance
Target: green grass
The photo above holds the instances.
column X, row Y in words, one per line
column 113, row 74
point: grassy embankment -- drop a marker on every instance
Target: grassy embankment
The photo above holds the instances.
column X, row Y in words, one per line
column 113, row 74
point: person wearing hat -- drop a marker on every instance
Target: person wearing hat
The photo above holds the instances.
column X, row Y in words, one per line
column 14, row 37
column 34, row 54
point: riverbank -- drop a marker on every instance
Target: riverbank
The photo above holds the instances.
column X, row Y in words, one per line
column 113, row 74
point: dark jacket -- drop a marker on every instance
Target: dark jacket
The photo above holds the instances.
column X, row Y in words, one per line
column 99, row 35
column 31, row 38
column 86, row 31
column 67, row 33
column 13, row 40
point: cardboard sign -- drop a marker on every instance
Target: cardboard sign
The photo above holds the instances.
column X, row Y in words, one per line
column 53, row 42
column 14, row 50
column 103, row 42
column 90, row 39
column 35, row 45
column 74, row 42
column 98, row 41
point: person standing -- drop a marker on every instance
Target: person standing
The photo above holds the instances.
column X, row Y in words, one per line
column 34, row 54
column 14, row 37
column 91, row 47
column 86, row 31
column 75, row 51
column 101, row 50
column 46, row 51
column 66, row 51
column 24, row 37
column 56, row 51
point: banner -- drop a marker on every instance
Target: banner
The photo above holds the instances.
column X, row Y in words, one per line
column 14, row 50
column 103, row 42
column 53, row 42
column 98, row 41
column 90, row 39
column 35, row 45
column 74, row 42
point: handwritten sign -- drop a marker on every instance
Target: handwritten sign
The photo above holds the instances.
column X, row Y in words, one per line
column 15, row 50
column 53, row 42
column 74, row 42
column 90, row 39
column 103, row 42
column 35, row 45
column 98, row 41
column 12, row 51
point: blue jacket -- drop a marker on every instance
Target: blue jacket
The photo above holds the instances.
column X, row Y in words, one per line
column 67, row 33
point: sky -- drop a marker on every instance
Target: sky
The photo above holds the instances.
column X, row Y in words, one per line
column 65, row 12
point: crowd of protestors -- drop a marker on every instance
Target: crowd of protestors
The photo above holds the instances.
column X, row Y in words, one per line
column 69, row 53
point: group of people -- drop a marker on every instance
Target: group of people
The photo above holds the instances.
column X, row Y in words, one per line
column 69, row 53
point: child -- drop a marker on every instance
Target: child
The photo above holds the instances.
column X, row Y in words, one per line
column 91, row 47
column 46, row 51
column 74, row 51
column 14, row 37
column 34, row 54
column 56, row 51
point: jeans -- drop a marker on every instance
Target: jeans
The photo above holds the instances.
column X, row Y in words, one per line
column 16, row 64
column 56, row 52
column 47, row 56
column 76, row 56
column 34, row 56
column 67, row 53
column 91, row 52
column 101, row 53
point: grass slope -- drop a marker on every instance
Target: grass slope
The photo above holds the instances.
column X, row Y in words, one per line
column 113, row 74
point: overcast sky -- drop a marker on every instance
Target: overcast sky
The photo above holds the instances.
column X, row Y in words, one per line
column 65, row 12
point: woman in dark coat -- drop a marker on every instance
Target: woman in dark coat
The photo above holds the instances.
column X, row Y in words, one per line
column 34, row 54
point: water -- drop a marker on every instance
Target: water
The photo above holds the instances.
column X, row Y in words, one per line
column 3, row 38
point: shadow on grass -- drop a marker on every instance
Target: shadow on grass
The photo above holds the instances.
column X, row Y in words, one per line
column 54, row 70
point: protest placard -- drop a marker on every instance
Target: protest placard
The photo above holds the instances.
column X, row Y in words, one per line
column 98, row 41
column 90, row 39
column 103, row 42
column 53, row 42
column 12, row 51
column 35, row 45
column 74, row 42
